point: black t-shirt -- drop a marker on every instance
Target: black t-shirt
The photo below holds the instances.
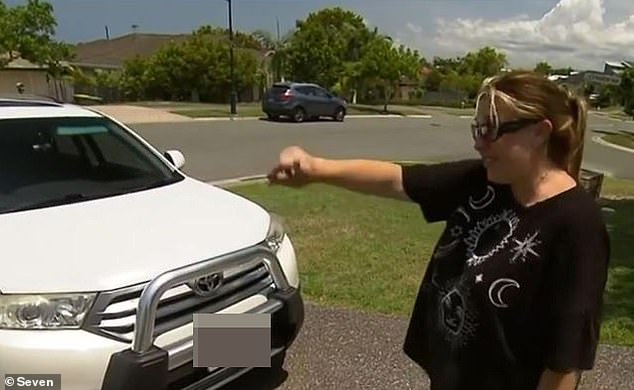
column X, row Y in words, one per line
column 509, row 290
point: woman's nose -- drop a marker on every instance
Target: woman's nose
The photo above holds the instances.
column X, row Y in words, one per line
column 479, row 144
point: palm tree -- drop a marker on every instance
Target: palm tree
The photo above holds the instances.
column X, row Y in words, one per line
column 275, row 52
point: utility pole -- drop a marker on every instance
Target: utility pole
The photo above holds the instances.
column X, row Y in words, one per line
column 231, row 60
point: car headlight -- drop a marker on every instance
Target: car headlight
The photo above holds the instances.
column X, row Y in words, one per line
column 275, row 235
column 57, row 311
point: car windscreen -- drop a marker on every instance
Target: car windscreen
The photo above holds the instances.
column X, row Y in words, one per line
column 52, row 161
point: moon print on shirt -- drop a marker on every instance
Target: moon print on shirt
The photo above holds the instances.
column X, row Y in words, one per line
column 462, row 211
column 483, row 202
column 496, row 291
column 524, row 248
column 456, row 319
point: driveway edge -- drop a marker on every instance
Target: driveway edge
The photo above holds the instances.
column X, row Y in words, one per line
column 601, row 141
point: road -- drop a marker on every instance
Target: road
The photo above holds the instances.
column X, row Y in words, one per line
column 225, row 149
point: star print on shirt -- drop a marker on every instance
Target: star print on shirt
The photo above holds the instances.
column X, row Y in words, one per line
column 456, row 231
column 524, row 248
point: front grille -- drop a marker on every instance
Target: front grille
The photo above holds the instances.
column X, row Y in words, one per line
column 113, row 314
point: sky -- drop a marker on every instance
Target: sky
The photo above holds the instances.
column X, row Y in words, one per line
column 578, row 33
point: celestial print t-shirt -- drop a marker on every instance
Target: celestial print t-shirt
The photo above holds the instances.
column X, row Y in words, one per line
column 510, row 290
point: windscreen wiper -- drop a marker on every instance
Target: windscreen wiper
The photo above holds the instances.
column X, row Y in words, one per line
column 158, row 183
column 60, row 200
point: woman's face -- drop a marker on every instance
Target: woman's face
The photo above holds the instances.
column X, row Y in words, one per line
column 516, row 150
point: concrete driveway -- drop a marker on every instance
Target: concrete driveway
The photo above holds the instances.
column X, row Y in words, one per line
column 345, row 349
column 136, row 114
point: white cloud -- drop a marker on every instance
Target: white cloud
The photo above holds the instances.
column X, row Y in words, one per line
column 574, row 32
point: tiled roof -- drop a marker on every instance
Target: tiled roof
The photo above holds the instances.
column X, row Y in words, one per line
column 115, row 51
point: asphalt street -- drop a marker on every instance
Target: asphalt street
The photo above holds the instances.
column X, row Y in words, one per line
column 221, row 149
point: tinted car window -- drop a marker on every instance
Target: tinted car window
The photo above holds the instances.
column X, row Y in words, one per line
column 49, row 161
column 278, row 90
column 321, row 93
column 304, row 90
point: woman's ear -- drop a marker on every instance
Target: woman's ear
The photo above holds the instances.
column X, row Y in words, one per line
column 543, row 130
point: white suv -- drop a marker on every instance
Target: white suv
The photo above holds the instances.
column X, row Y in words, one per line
column 108, row 250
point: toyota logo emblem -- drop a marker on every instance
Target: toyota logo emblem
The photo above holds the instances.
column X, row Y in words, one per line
column 207, row 285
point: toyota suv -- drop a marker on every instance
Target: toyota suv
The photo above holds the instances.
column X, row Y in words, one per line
column 109, row 249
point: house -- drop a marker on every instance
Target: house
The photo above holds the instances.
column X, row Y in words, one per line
column 616, row 68
column 111, row 54
column 578, row 81
column 34, row 79
column 108, row 54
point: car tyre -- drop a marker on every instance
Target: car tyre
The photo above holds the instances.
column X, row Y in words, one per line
column 277, row 362
column 340, row 114
column 299, row 115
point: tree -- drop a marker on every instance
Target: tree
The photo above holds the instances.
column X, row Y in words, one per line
column 276, row 52
column 543, row 68
column 466, row 83
column 27, row 31
column 196, row 69
column 610, row 95
column 385, row 66
column 627, row 90
column 240, row 39
column 324, row 43
column 486, row 62
column 433, row 80
column 446, row 65
column 563, row 71
column 134, row 78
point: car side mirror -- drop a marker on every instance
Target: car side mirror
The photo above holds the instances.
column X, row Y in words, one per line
column 176, row 158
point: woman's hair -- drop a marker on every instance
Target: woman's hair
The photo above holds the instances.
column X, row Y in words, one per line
column 533, row 95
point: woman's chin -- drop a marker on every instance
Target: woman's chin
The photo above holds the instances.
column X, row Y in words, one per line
column 495, row 176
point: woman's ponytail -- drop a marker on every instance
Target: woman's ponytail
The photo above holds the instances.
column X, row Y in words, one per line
column 579, row 112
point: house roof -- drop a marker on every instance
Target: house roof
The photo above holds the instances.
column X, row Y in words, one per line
column 112, row 53
column 21, row 63
column 115, row 51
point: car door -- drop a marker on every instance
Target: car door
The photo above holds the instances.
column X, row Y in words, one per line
column 309, row 100
column 324, row 101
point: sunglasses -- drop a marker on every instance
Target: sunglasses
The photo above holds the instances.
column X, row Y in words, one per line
column 491, row 134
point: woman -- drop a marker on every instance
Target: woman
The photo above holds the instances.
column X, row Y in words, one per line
column 512, row 296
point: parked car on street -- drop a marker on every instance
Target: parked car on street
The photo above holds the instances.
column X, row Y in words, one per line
column 302, row 101
column 109, row 249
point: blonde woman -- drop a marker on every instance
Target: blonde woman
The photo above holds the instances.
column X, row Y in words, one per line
column 512, row 296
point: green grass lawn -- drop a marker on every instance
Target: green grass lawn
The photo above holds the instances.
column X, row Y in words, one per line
column 370, row 253
column 254, row 109
column 451, row 110
column 619, row 115
column 218, row 110
column 623, row 139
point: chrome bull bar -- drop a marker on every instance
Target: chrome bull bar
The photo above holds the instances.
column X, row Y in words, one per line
column 143, row 338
